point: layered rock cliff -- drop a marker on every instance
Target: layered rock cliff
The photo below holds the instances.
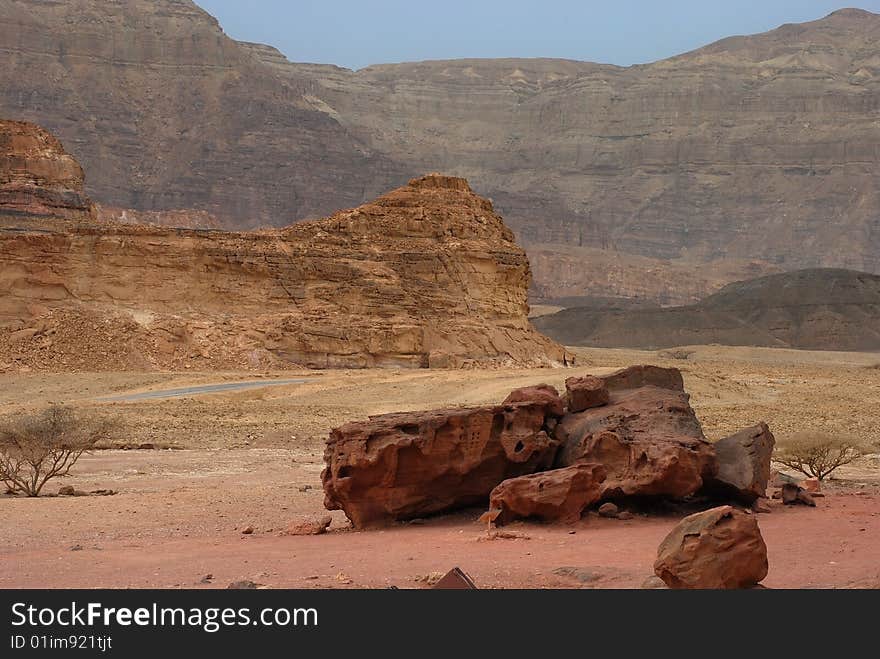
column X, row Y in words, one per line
column 37, row 176
column 748, row 156
column 425, row 276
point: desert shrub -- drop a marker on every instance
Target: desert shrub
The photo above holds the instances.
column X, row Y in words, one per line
column 38, row 448
column 817, row 454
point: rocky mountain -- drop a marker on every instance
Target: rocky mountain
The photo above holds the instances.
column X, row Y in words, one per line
column 752, row 155
column 166, row 112
column 427, row 275
column 820, row 309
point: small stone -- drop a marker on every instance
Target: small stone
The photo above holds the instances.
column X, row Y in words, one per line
column 305, row 488
column 248, row 530
column 625, row 515
column 245, row 584
column 654, row 583
column 309, row 525
column 76, row 548
column 206, row 579
column 761, row 505
column 608, row 510
column 66, row 491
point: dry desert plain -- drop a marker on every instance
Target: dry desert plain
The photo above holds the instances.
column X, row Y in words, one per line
column 192, row 472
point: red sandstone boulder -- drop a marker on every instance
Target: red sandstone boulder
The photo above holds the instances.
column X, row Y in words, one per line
column 718, row 548
column 404, row 466
column 585, row 392
column 647, row 437
column 544, row 394
column 556, row 495
column 744, row 463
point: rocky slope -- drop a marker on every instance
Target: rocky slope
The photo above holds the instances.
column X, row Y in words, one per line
column 165, row 112
column 823, row 309
column 751, row 155
column 427, row 275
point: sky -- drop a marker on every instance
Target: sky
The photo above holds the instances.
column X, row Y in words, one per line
column 357, row 33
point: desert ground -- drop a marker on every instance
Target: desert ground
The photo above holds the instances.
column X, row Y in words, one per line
column 192, row 472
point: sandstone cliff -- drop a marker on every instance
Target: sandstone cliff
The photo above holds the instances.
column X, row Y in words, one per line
column 425, row 276
column 751, row 155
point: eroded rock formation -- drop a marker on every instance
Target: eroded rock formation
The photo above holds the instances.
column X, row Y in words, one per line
column 644, row 442
column 38, row 178
column 744, row 463
column 556, row 495
column 403, row 466
column 750, row 155
column 427, row 275
column 717, row 548
column 647, row 436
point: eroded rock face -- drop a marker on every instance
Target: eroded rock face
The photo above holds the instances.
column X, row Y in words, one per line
column 555, row 495
column 540, row 393
column 427, row 275
column 403, row 466
column 647, row 436
column 586, row 392
column 37, row 176
column 744, row 463
column 718, row 548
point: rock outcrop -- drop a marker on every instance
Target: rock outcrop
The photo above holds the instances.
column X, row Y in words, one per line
column 586, row 392
column 747, row 156
column 427, row 275
column 38, row 178
column 824, row 309
column 556, row 495
column 404, row 466
column 744, row 463
column 718, row 548
column 647, row 437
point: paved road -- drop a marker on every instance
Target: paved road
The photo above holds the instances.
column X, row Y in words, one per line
column 201, row 390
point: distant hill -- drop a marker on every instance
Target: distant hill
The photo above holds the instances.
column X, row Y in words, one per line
column 818, row 309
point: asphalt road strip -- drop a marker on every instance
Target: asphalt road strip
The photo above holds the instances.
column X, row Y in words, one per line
column 200, row 390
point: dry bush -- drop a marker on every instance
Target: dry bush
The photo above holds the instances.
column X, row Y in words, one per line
column 817, row 454
column 38, row 448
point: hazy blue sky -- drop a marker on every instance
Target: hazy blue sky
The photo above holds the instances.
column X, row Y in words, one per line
column 356, row 33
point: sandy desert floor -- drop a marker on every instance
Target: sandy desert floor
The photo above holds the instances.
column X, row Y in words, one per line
column 221, row 462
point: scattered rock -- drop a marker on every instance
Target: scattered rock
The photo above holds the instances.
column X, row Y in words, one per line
column 541, row 393
column 401, row 466
column 429, row 579
column 586, row 392
column 811, row 485
column 455, row 579
column 654, row 583
column 608, row 509
column 305, row 488
column 245, row 584
column 103, row 493
column 247, row 530
column 207, row 579
column 792, row 493
column 66, row 491
column 625, row 515
column 743, row 464
column 556, row 495
column 718, row 548
column 581, row 574
column 76, row 548
column 761, row 505
column 311, row 525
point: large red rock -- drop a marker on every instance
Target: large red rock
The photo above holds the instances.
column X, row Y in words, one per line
column 744, row 463
column 718, row 548
column 647, row 437
column 539, row 393
column 408, row 465
column 555, row 495
column 585, row 392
